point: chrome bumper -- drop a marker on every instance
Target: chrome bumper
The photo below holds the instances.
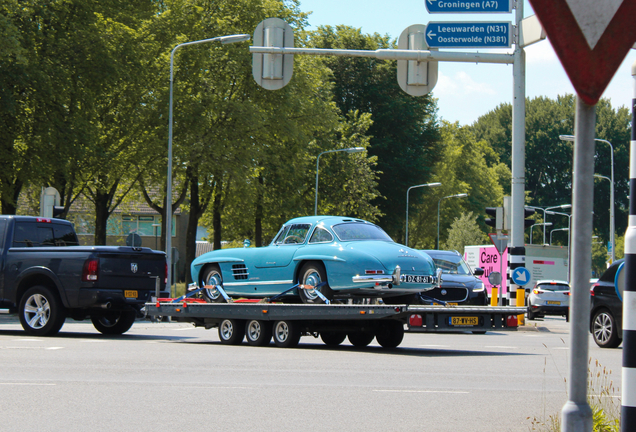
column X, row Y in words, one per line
column 394, row 278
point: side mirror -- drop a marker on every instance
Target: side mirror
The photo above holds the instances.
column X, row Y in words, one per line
column 479, row 271
column 247, row 243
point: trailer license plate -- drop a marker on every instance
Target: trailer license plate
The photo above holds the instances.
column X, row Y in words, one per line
column 552, row 302
column 130, row 294
column 464, row 321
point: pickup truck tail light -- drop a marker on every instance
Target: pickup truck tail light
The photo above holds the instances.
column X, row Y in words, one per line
column 90, row 270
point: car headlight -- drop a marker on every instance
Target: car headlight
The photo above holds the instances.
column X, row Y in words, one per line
column 479, row 287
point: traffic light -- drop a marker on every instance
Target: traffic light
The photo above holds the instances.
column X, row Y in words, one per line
column 527, row 212
column 497, row 217
column 57, row 211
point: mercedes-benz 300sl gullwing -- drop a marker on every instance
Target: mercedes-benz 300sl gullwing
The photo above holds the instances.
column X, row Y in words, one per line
column 316, row 258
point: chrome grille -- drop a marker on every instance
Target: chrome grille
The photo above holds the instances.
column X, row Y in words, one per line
column 239, row 271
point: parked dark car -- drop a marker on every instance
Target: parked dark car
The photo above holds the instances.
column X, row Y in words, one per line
column 460, row 286
column 606, row 316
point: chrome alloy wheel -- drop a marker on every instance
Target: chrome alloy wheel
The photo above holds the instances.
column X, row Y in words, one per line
column 603, row 327
column 311, row 277
column 37, row 311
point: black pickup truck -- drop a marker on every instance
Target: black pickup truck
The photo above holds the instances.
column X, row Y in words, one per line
column 46, row 277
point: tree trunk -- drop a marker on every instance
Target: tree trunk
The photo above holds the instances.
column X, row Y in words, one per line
column 101, row 217
column 216, row 214
column 258, row 217
column 10, row 206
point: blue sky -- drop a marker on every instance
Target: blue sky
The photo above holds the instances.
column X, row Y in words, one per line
column 466, row 91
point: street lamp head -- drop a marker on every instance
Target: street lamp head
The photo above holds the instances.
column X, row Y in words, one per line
column 355, row 149
column 566, row 137
column 234, row 38
column 433, row 184
column 566, row 206
column 461, row 195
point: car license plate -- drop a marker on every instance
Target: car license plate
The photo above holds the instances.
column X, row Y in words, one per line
column 552, row 302
column 416, row 279
column 464, row 321
column 447, row 304
column 130, row 294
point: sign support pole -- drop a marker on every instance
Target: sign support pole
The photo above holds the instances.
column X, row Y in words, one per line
column 628, row 386
column 576, row 413
column 516, row 254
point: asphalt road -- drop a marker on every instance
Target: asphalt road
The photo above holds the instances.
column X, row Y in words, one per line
column 170, row 376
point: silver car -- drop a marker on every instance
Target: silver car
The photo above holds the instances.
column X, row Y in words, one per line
column 549, row 297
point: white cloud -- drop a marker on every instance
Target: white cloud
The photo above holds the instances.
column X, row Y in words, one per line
column 461, row 84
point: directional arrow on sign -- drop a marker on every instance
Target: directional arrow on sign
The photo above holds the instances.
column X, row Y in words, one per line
column 591, row 39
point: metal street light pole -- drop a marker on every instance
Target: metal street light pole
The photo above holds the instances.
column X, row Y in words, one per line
column 543, row 210
column 544, row 224
column 569, row 235
column 168, row 233
column 612, row 214
column 558, row 229
column 562, row 206
column 348, row 150
column 461, row 195
column 406, row 235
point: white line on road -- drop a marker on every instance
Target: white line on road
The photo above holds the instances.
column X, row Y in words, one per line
column 501, row 347
column 422, row 391
column 28, row 384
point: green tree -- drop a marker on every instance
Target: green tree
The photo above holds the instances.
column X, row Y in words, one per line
column 465, row 166
column 404, row 130
column 548, row 170
column 464, row 231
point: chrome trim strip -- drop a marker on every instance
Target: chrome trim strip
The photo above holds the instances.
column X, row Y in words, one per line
column 258, row 283
column 373, row 278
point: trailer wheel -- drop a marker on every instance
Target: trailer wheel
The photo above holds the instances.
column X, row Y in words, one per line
column 41, row 312
column 390, row 334
column 231, row 332
column 286, row 334
column 114, row 323
column 258, row 332
column 333, row 338
column 313, row 273
column 212, row 276
column 360, row 339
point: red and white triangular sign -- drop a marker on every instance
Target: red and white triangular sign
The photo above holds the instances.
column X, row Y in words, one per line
column 590, row 37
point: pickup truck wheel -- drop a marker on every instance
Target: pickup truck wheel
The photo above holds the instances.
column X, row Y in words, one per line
column 390, row 334
column 313, row 273
column 333, row 338
column 360, row 339
column 286, row 334
column 604, row 329
column 41, row 312
column 114, row 323
column 258, row 332
column 231, row 332
column 212, row 276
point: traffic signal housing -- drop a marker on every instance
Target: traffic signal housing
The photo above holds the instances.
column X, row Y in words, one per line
column 496, row 221
column 527, row 212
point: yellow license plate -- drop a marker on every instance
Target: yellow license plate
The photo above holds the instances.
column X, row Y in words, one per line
column 552, row 302
column 464, row 321
column 447, row 304
column 130, row 294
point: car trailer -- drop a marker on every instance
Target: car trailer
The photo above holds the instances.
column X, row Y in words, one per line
column 259, row 321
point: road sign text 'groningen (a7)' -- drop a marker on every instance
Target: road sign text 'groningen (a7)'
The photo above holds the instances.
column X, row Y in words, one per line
column 469, row 34
column 480, row 6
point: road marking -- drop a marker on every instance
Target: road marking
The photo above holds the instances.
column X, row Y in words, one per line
column 31, row 348
column 422, row 391
column 29, row 384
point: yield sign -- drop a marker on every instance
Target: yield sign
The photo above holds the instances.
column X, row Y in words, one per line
column 500, row 242
column 590, row 37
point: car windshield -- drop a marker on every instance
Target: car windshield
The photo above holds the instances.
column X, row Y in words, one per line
column 554, row 286
column 360, row 231
column 293, row 234
column 451, row 264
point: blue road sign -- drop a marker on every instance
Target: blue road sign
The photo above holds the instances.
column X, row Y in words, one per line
column 520, row 276
column 476, row 6
column 468, row 34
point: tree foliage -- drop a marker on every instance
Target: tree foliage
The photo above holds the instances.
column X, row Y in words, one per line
column 464, row 231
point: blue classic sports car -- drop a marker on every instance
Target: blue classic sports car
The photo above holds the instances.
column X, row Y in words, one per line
column 337, row 256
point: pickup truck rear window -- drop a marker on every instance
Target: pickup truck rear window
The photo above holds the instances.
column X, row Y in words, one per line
column 28, row 234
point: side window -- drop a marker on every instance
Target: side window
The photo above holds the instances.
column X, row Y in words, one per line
column 45, row 236
column 3, row 225
column 296, row 234
column 25, row 235
column 321, row 235
column 281, row 236
column 65, row 236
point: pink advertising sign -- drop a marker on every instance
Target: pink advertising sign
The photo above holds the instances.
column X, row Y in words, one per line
column 488, row 258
